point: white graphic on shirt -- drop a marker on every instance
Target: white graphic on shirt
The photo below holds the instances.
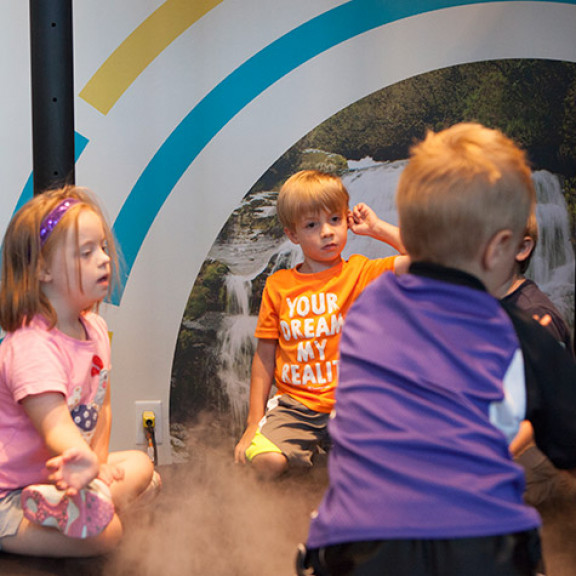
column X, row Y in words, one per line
column 312, row 320
column 507, row 414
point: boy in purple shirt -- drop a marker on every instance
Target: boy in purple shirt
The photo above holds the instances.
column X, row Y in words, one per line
column 436, row 376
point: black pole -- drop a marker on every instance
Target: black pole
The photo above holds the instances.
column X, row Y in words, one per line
column 52, row 71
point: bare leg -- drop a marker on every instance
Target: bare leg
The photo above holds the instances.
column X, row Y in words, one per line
column 138, row 471
column 34, row 540
column 270, row 465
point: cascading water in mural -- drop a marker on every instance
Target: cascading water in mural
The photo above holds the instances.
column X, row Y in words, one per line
column 552, row 266
column 251, row 254
column 235, row 340
column 235, row 345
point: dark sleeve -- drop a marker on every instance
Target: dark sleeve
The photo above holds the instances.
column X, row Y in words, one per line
column 550, row 389
column 557, row 326
column 532, row 300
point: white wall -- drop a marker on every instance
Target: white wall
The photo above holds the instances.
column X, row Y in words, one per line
column 178, row 135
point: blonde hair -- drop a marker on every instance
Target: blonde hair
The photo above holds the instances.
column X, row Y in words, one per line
column 24, row 255
column 459, row 188
column 310, row 191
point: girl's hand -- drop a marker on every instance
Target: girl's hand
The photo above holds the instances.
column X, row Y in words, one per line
column 110, row 473
column 73, row 470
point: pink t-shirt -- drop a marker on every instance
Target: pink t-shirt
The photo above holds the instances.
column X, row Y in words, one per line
column 35, row 360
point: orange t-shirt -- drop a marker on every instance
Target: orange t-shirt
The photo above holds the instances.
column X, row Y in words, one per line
column 305, row 313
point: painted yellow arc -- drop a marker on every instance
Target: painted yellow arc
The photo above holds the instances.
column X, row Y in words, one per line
column 139, row 49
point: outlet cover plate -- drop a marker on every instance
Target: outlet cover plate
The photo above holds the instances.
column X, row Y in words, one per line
column 141, row 406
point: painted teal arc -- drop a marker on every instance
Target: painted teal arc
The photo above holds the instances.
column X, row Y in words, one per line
column 236, row 91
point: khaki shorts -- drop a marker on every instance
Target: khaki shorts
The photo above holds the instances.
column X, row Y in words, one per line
column 11, row 515
column 292, row 429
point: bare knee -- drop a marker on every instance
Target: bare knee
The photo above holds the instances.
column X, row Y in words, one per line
column 137, row 474
column 270, row 465
column 145, row 468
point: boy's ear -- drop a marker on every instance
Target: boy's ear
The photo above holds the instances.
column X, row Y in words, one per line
column 526, row 247
column 498, row 249
column 292, row 236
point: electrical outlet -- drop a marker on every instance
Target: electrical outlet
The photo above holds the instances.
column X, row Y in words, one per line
column 142, row 406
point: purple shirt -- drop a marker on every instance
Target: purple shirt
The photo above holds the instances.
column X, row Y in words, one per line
column 416, row 455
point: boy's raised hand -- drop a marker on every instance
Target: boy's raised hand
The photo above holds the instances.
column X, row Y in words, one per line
column 362, row 220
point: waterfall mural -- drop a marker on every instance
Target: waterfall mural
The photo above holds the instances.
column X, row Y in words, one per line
column 248, row 258
column 211, row 368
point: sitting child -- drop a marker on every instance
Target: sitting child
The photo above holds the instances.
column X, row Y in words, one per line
column 544, row 482
column 61, row 490
column 300, row 320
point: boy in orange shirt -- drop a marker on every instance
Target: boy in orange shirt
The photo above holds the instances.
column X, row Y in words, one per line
column 300, row 321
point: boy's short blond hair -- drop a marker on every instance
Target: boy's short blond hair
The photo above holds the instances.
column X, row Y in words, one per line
column 309, row 192
column 460, row 187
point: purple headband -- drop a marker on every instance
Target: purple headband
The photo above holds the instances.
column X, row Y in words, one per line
column 51, row 221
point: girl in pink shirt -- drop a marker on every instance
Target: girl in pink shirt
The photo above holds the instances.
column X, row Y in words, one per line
column 60, row 488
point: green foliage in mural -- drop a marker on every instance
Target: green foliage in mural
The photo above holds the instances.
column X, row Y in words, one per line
column 209, row 292
column 532, row 101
